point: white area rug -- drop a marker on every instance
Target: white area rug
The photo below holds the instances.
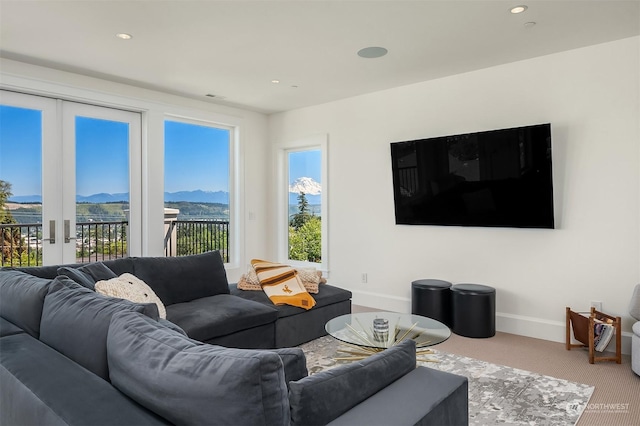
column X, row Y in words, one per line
column 497, row 394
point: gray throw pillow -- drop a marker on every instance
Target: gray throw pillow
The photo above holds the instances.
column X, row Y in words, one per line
column 184, row 278
column 75, row 322
column 192, row 383
column 77, row 276
column 322, row 397
column 88, row 275
column 21, row 299
column 172, row 326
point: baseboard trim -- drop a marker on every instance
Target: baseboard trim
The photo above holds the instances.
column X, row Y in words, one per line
column 537, row 328
column 554, row 331
column 381, row 301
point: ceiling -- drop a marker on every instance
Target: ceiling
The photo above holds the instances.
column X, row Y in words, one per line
column 235, row 49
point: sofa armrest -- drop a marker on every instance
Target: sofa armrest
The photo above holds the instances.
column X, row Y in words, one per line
column 322, row 397
column 423, row 397
column 294, row 362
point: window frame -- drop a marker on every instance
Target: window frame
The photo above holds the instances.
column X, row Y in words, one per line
column 316, row 142
column 235, row 230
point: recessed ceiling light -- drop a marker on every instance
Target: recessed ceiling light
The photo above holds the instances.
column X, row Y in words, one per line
column 275, row 81
column 124, row 36
column 372, row 52
column 529, row 24
column 518, row 9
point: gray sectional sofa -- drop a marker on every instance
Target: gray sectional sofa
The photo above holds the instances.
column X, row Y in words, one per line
column 199, row 299
column 71, row 356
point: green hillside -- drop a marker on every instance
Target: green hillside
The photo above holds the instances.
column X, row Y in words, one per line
column 113, row 212
column 200, row 211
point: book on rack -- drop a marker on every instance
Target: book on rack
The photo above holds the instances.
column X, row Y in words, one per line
column 602, row 335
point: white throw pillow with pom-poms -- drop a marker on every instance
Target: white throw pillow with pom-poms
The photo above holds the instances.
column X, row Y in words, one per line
column 131, row 288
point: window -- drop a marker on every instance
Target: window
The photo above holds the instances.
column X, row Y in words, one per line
column 196, row 188
column 303, row 235
column 84, row 202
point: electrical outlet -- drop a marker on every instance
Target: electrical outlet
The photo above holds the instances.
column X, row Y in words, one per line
column 597, row 305
column 363, row 278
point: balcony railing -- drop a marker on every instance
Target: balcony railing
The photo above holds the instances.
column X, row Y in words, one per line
column 184, row 237
column 21, row 244
column 98, row 241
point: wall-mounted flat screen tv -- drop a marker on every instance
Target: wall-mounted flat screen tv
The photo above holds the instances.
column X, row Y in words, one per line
column 499, row 178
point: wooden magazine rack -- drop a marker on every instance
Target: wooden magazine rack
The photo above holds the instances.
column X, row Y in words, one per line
column 583, row 331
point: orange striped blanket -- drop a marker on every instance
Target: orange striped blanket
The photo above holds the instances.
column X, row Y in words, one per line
column 282, row 284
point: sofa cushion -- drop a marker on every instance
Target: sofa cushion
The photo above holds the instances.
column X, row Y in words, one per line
column 77, row 276
column 37, row 271
column 7, row 328
column 192, row 383
column 118, row 266
column 131, row 288
column 75, row 321
column 40, row 386
column 88, row 275
column 185, row 278
column 327, row 295
column 311, row 278
column 21, row 299
column 209, row 317
column 322, row 397
column 425, row 396
column 172, row 326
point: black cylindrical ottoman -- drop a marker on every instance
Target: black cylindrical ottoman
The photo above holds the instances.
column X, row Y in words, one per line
column 432, row 298
column 474, row 310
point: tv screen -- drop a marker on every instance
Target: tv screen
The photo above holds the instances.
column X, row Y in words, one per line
column 497, row 178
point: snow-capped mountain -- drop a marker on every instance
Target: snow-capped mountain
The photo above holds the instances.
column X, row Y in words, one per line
column 306, row 185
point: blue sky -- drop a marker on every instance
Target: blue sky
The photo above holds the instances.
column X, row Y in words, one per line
column 20, row 152
column 195, row 156
column 305, row 164
column 102, row 156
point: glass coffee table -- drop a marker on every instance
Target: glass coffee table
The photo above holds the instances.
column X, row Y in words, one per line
column 366, row 333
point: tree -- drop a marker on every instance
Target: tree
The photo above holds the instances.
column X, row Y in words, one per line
column 305, row 233
column 5, row 193
column 12, row 245
column 305, row 243
column 303, row 214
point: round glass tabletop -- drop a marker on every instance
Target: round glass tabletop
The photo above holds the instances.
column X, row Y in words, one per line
column 383, row 329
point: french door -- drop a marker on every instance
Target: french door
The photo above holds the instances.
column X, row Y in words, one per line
column 74, row 172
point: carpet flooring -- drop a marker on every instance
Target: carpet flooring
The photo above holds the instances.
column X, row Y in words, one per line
column 497, row 394
column 616, row 399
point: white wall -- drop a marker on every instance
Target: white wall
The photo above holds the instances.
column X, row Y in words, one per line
column 154, row 106
column 591, row 98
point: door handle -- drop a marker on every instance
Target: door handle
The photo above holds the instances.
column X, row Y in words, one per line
column 67, row 231
column 52, row 232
